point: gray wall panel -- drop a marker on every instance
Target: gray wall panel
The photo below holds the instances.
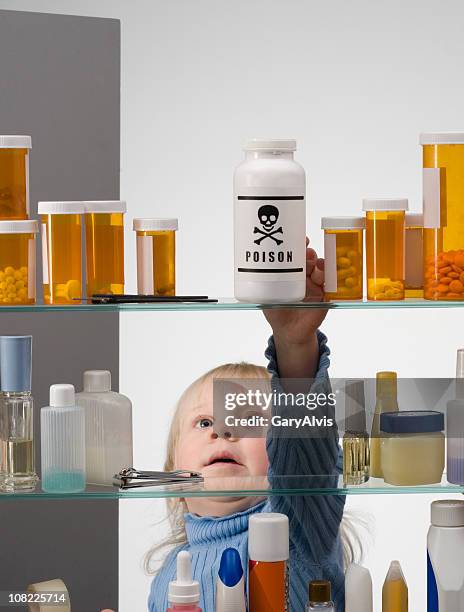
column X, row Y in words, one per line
column 61, row 84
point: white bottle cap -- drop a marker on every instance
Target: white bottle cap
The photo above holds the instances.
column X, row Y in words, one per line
column 395, row 572
column 105, row 206
column 30, row 226
column 15, row 142
column 442, row 138
column 62, row 396
column 268, row 537
column 341, row 223
column 97, row 381
column 155, row 225
column 358, row 589
column 258, row 144
column 385, row 204
column 60, row 208
column 448, row 513
column 184, row 589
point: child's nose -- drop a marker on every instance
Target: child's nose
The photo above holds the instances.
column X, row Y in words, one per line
column 215, row 434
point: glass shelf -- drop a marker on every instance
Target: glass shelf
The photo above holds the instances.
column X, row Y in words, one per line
column 232, row 304
column 294, row 485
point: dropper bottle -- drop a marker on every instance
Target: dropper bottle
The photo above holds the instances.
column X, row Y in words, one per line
column 356, row 440
column 184, row 592
column 395, row 590
column 387, row 401
column 455, row 427
column 320, row 597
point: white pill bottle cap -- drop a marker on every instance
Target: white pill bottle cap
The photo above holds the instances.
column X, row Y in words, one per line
column 448, row 513
column 268, row 537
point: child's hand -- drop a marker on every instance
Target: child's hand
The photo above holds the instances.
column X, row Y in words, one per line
column 295, row 328
column 296, row 324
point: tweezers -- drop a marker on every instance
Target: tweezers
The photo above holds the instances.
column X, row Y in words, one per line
column 104, row 298
column 130, row 478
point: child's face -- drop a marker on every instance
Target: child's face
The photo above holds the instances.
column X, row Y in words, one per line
column 200, row 449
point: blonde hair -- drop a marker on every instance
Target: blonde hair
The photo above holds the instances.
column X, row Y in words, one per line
column 177, row 508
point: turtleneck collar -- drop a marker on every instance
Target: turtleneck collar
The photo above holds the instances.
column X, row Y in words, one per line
column 208, row 529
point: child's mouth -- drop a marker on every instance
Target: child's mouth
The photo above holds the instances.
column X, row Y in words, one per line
column 223, row 459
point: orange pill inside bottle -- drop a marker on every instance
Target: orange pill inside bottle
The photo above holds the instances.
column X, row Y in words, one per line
column 385, row 252
column 443, row 197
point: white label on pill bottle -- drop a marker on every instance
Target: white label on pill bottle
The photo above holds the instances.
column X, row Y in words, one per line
column 31, row 269
column 26, row 161
column 270, row 237
column 431, row 194
column 330, row 265
column 46, row 277
column 145, row 280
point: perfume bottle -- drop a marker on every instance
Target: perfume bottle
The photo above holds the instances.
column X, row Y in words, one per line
column 386, row 392
column 17, row 466
column 356, row 453
column 319, row 597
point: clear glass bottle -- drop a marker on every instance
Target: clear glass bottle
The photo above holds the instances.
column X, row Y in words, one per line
column 387, row 401
column 356, row 452
column 17, row 466
column 320, row 597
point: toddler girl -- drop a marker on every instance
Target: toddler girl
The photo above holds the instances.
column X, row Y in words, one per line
column 206, row 526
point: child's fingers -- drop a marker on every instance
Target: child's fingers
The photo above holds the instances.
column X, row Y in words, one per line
column 311, row 255
column 317, row 275
column 314, row 293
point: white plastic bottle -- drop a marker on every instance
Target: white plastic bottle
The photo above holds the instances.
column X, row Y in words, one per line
column 108, row 427
column 358, row 589
column 63, row 442
column 270, row 224
column 445, row 567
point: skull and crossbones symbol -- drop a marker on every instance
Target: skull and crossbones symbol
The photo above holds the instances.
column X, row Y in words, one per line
column 268, row 216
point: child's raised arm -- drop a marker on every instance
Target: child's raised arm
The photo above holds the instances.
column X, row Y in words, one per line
column 299, row 350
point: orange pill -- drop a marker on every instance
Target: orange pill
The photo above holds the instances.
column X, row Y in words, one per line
column 445, row 270
column 454, row 295
column 461, row 278
column 446, row 280
column 459, row 259
column 456, row 286
column 456, row 268
column 441, row 263
column 442, row 288
column 449, row 257
column 453, row 275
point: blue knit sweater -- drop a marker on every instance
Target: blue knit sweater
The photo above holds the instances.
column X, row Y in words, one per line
column 314, row 520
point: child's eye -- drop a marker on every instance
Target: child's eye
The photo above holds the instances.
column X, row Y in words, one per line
column 204, row 422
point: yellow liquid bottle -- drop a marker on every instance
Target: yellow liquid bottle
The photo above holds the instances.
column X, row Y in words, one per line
column 387, row 401
column 395, row 590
